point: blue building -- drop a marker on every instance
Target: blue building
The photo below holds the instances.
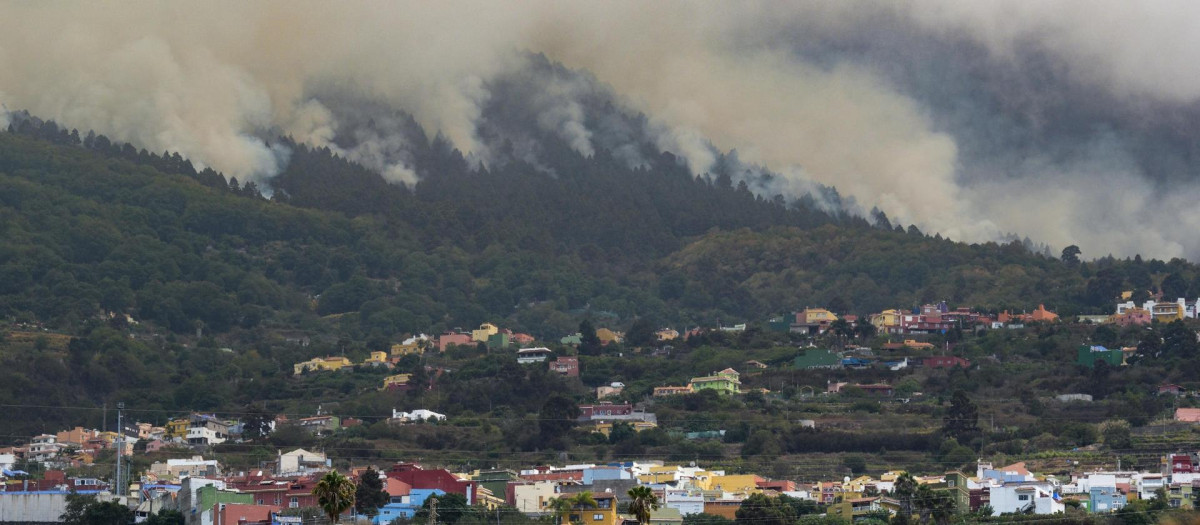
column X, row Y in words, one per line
column 404, row 506
column 1106, row 499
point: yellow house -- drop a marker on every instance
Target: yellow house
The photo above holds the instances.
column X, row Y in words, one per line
column 886, row 319
column 484, row 331
column 608, row 336
column 818, row 316
column 1167, row 312
column 604, row 513
column 663, row 474
column 399, row 349
column 859, row 484
column 638, row 426
column 735, row 483
column 396, row 381
column 413, row 345
column 666, row 334
column 177, row 428
column 853, row 509
column 377, row 357
column 321, row 363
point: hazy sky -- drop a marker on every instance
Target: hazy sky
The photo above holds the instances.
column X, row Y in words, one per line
column 1071, row 122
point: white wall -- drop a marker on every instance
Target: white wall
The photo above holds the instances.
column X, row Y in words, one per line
column 31, row 507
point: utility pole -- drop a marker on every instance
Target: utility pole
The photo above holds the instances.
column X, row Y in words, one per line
column 432, row 511
column 120, row 446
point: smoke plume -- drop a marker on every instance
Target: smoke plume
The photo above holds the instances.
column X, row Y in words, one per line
column 1071, row 122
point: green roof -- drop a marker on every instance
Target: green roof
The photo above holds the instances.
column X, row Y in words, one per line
column 816, row 358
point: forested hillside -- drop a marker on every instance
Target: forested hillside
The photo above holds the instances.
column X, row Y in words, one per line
column 91, row 228
column 225, row 283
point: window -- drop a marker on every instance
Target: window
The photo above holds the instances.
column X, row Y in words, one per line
column 1023, row 497
column 294, row 503
column 597, row 517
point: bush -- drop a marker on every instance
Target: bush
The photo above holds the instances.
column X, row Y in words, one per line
column 856, row 464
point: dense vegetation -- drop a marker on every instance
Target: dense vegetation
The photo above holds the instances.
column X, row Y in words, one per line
column 224, row 284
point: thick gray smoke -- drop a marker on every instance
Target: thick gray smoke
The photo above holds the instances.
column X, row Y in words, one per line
column 1057, row 120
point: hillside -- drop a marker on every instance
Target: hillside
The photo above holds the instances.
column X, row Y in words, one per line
column 91, row 227
column 228, row 290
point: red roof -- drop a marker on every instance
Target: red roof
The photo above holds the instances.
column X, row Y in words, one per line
column 1190, row 415
column 395, row 487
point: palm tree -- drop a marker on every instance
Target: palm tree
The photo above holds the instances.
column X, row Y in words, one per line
column 335, row 495
column 582, row 500
column 643, row 502
column 560, row 506
column 904, row 490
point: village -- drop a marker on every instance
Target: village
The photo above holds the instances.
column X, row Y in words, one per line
column 277, row 492
column 206, row 493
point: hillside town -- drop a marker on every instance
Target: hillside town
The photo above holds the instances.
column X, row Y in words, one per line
column 206, row 493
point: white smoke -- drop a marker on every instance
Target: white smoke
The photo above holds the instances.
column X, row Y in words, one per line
column 207, row 80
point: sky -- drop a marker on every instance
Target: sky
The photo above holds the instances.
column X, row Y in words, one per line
column 1069, row 122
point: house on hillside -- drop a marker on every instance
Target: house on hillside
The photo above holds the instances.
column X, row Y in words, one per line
column 485, row 330
column 887, row 321
column 663, row 391
column 565, row 365
column 450, row 338
column 413, row 345
column 817, row 358
column 398, row 382
column 299, row 462
column 1133, row 317
column 321, row 364
column 813, row 321
column 945, row 361
column 878, row 390
column 533, row 355
column 378, row 359
column 319, row 425
column 1042, row 315
column 500, row 340
column 207, row 430
column 723, row 382
column 908, row 344
column 666, row 334
column 1187, row 415
column 420, row 478
column 575, row 339
column 522, row 339
column 1027, row 497
column 1089, row 355
column 613, row 389
column 419, row 414
column 1171, row 390
column 607, row 336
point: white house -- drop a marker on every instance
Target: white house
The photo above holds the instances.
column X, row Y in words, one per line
column 207, row 430
column 1148, row 483
column 419, row 414
column 7, row 461
column 182, row 468
column 686, row 502
column 1035, row 497
column 44, row 447
column 534, row 497
column 301, row 461
column 533, row 355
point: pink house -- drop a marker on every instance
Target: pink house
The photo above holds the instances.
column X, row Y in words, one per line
column 1187, row 415
column 450, row 338
column 946, row 361
column 1133, row 317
